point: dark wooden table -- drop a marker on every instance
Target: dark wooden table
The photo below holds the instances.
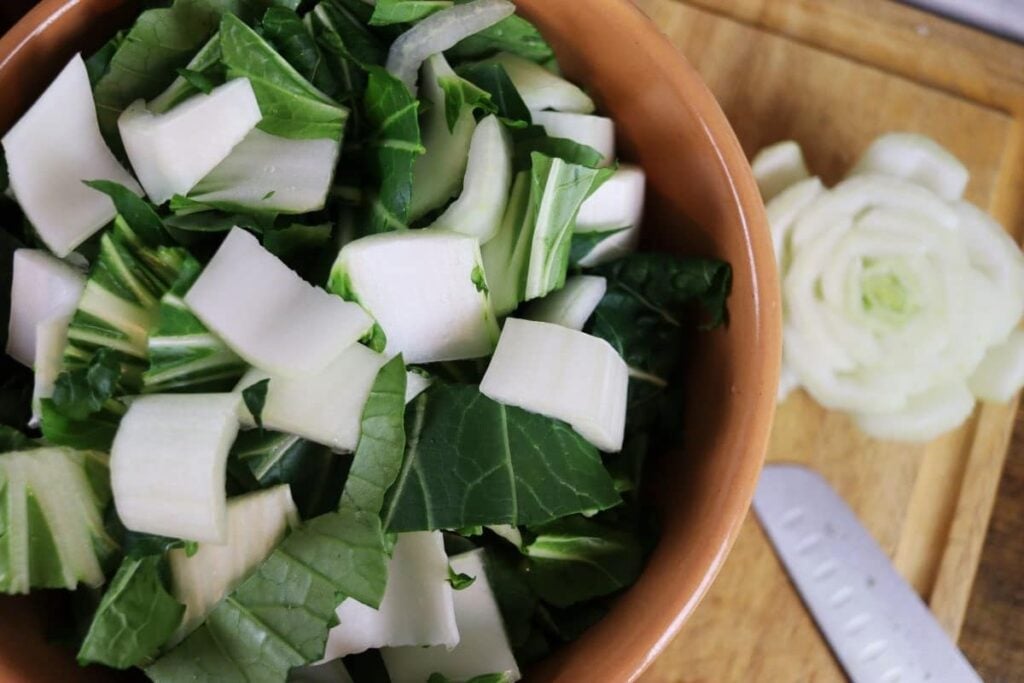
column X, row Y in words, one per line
column 993, row 633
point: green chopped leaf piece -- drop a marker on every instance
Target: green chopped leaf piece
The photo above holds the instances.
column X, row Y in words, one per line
column 79, row 393
column 136, row 212
column 471, row 460
column 255, row 397
column 459, row 94
column 93, row 433
column 585, row 242
column 492, row 78
column 285, row 30
column 198, row 80
column 512, row 34
column 458, row 580
column 135, row 618
column 392, row 113
column 388, row 12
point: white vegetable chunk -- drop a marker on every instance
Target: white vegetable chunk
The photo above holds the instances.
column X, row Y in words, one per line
column 1001, row 374
column 53, row 148
column 437, row 174
column 618, row 206
column 51, row 338
column 597, row 132
column 42, row 287
column 417, row 608
column 256, row 523
column 269, row 315
column 561, row 373
column 415, row 384
column 784, row 209
column 479, row 209
column 925, row 416
column 167, row 465
column 425, row 288
column 172, row 152
column 918, row 159
column 777, row 167
column 483, row 648
column 439, row 32
column 326, row 407
column 272, row 173
column 541, row 89
column 572, row 305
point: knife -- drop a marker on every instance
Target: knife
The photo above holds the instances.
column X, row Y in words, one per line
column 877, row 626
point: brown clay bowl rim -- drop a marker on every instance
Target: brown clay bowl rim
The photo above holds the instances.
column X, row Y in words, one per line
column 680, row 76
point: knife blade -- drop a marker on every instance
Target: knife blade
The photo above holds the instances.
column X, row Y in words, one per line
column 877, row 626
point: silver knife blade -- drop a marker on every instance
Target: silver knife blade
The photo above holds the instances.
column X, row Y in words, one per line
column 878, row 627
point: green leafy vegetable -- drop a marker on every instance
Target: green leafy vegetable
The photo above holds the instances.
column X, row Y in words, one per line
column 184, row 355
column 459, row 581
column 79, row 393
column 576, row 559
column 285, row 30
column 492, row 78
column 392, row 111
column 137, row 212
column 205, row 68
column 93, row 433
column 471, row 460
column 278, row 618
column 198, row 80
column 98, row 63
column 315, row 473
column 533, row 139
column 460, row 94
column 387, row 12
column 512, row 34
column 255, row 397
column 12, row 440
column 51, row 505
column 585, row 242
column 136, row 616
column 292, row 107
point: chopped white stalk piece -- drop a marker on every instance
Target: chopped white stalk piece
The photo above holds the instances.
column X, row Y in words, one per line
column 616, row 206
column 325, row 407
column 415, row 384
column 437, row 173
column 417, row 608
column 51, row 338
column 918, row 159
column 42, row 287
column 172, row 152
column 1001, row 374
column 561, row 373
column 269, row 315
column 53, row 148
column 483, row 648
column 256, row 523
column 272, row 173
column 167, row 465
column 778, row 166
column 617, row 203
column 425, row 288
column 440, row 32
column 541, row 89
column 597, row 132
column 572, row 305
column 479, row 209
column 925, row 417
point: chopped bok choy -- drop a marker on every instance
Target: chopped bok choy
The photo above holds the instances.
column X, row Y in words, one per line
column 51, row 151
column 483, row 647
column 898, row 296
column 43, row 288
column 541, row 89
column 596, row 132
column 611, row 217
column 572, row 305
column 417, row 609
column 561, row 373
column 167, row 465
column 51, row 512
column 269, row 315
column 426, row 289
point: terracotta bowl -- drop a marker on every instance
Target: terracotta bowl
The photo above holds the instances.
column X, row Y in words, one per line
column 702, row 200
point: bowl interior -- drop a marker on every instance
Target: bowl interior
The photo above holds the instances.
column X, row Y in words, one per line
column 702, row 200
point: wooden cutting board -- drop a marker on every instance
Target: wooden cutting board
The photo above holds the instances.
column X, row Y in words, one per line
column 834, row 74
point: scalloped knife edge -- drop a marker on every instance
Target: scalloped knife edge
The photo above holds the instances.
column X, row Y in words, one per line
column 877, row 626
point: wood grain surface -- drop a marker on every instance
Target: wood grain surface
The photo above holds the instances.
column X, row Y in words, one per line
column 834, row 74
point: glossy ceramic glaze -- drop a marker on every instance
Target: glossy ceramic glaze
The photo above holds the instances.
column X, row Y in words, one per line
column 702, row 200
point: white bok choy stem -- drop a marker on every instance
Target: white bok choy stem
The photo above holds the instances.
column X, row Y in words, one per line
column 541, row 89
column 440, row 32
